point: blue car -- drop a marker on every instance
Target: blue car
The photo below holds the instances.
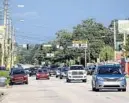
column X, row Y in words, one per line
column 109, row 77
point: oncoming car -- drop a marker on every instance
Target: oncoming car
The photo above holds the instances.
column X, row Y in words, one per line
column 42, row 74
column 76, row 72
column 109, row 77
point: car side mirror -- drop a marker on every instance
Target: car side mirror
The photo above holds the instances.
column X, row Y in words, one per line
column 125, row 73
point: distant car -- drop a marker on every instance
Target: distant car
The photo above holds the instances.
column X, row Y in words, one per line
column 52, row 71
column 27, row 70
column 32, row 71
column 63, row 72
column 42, row 74
column 90, row 70
column 76, row 72
column 18, row 76
column 58, row 72
column 109, row 77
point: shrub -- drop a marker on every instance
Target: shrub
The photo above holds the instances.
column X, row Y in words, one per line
column 6, row 75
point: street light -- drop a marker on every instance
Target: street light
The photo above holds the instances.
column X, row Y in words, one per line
column 20, row 6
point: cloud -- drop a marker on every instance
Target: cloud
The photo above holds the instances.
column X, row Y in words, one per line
column 31, row 15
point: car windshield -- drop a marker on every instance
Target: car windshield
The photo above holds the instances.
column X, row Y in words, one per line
column 18, row 72
column 65, row 69
column 109, row 70
column 76, row 68
column 42, row 71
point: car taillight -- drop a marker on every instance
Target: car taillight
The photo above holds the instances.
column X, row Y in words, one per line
column 25, row 76
column 37, row 74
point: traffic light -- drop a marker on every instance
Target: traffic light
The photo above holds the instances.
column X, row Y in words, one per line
column 27, row 46
column 120, row 47
column 41, row 47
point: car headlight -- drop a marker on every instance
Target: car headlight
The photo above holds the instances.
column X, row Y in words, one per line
column 69, row 73
column 122, row 78
column 100, row 78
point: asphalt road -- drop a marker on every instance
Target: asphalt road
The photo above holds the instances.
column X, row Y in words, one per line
column 58, row 91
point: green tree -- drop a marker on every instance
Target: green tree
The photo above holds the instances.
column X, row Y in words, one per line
column 93, row 32
column 107, row 53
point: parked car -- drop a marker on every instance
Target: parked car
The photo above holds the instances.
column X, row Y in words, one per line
column 109, row 77
column 90, row 69
column 76, row 72
column 42, row 74
column 58, row 72
column 18, row 76
column 63, row 72
column 32, row 72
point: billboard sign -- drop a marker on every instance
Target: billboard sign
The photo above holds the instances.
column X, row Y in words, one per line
column 80, row 44
column 50, row 55
column 123, row 26
column 2, row 29
column 47, row 45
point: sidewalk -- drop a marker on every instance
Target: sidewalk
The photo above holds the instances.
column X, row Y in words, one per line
column 3, row 92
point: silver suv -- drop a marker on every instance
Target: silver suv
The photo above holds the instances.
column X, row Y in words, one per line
column 76, row 72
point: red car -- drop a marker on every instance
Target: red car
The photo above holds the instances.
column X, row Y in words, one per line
column 18, row 76
column 42, row 74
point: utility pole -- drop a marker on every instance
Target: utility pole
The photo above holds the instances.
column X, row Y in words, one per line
column 114, row 39
column 6, row 32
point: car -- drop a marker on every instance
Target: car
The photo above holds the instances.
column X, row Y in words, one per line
column 52, row 71
column 58, row 72
column 18, row 76
column 32, row 72
column 42, row 74
column 63, row 72
column 109, row 77
column 90, row 69
column 76, row 72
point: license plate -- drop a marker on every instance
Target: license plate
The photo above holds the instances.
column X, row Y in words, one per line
column 111, row 83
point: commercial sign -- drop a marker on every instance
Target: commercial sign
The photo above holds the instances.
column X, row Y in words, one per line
column 47, row 45
column 123, row 26
column 50, row 55
column 2, row 28
column 80, row 43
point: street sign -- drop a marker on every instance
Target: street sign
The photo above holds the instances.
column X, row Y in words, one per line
column 123, row 26
column 47, row 45
column 50, row 55
column 80, row 44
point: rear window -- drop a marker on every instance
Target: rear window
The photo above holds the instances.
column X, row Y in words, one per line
column 109, row 70
column 42, row 71
column 76, row 68
column 18, row 72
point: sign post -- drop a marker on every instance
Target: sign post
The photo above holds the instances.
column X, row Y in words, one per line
column 81, row 44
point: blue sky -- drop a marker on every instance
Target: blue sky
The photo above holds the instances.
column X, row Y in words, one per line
column 43, row 18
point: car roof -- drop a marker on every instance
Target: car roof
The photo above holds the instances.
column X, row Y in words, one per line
column 76, row 65
column 115, row 65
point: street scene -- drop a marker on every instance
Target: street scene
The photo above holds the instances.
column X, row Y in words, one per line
column 64, row 51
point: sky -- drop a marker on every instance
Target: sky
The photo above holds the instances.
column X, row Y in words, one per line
column 43, row 18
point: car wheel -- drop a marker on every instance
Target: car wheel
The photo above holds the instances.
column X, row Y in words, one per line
column 11, row 83
column 93, row 89
column 84, row 80
column 61, row 77
column 26, row 82
column 48, row 78
column 68, row 80
column 119, row 89
column 30, row 75
column 124, row 90
column 36, row 78
column 97, row 90
column 56, row 76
